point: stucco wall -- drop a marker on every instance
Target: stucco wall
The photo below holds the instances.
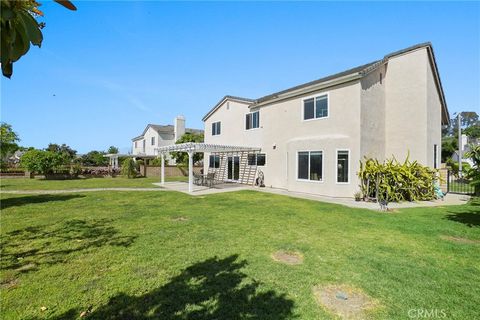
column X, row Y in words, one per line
column 406, row 112
column 372, row 124
column 434, row 116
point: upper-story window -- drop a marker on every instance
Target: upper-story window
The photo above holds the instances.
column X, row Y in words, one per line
column 153, row 141
column 252, row 120
column 216, row 126
column 135, row 144
column 316, row 107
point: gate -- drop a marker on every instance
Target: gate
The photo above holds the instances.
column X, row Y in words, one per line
column 458, row 184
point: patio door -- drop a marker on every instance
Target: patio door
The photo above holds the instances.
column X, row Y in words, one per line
column 233, row 168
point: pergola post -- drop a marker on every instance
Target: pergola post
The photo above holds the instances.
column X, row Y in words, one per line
column 162, row 170
column 190, row 171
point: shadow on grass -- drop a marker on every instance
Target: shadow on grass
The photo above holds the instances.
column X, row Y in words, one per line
column 470, row 217
column 21, row 201
column 29, row 249
column 211, row 289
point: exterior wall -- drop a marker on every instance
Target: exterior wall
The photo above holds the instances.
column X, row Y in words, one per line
column 138, row 149
column 372, row 125
column 434, row 119
column 283, row 133
column 406, row 107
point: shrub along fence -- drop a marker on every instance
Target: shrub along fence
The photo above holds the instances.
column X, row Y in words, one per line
column 393, row 181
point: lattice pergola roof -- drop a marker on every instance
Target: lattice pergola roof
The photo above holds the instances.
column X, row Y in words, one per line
column 204, row 147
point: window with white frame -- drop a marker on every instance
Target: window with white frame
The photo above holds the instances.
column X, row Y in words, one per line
column 152, row 141
column 216, row 128
column 252, row 120
column 257, row 159
column 214, row 161
column 315, row 108
column 342, row 166
column 310, row 165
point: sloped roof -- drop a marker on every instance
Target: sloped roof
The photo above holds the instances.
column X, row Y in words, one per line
column 359, row 72
column 162, row 129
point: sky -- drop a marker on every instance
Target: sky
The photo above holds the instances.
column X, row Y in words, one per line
column 108, row 69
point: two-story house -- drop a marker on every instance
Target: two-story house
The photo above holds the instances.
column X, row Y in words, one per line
column 313, row 136
column 155, row 136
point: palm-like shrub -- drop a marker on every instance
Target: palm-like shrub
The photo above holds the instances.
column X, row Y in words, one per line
column 395, row 181
column 474, row 172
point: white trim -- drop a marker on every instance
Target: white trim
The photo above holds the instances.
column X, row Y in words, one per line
column 314, row 97
column 336, row 166
column 323, row 166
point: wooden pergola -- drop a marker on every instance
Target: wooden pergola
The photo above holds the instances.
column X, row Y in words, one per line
column 193, row 147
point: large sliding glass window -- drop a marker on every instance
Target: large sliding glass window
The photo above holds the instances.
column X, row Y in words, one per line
column 342, row 166
column 252, row 120
column 216, row 128
column 214, row 161
column 315, row 108
column 310, row 165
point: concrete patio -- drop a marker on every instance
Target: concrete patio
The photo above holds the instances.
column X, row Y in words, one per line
column 450, row 199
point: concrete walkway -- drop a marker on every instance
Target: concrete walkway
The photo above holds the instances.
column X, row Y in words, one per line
column 77, row 190
column 449, row 200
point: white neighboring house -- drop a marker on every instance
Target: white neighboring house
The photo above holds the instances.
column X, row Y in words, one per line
column 155, row 136
column 312, row 136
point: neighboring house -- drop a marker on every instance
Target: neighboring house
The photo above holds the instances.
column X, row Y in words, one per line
column 155, row 136
column 466, row 143
column 312, row 136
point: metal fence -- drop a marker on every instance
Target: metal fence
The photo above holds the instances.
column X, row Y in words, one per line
column 458, row 184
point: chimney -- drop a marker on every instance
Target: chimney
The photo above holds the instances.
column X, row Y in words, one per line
column 179, row 126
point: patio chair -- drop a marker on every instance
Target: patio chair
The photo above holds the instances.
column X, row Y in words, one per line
column 210, row 179
column 197, row 179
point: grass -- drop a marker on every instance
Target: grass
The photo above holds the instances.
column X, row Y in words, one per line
column 107, row 182
column 128, row 255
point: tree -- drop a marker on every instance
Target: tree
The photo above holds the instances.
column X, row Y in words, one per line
column 19, row 28
column 112, row 150
column 182, row 157
column 66, row 152
column 41, row 161
column 8, row 140
column 95, row 158
column 129, row 168
column 473, row 131
column 449, row 146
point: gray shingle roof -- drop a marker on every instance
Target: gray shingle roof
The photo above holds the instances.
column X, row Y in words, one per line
column 165, row 129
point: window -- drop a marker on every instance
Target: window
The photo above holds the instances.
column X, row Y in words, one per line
column 435, row 156
column 214, row 161
column 216, row 128
column 153, row 141
column 256, row 159
column 252, row 120
column 342, row 166
column 315, row 108
column 310, row 165
column 135, row 144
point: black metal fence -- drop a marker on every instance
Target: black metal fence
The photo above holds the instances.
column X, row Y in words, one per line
column 458, row 184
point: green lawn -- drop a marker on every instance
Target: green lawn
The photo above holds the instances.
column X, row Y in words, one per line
column 125, row 255
column 118, row 182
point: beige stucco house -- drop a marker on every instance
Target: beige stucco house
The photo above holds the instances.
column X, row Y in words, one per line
column 154, row 136
column 313, row 136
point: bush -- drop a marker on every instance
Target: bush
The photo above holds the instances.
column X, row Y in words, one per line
column 394, row 181
column 454, row 166
column 43, row 162
column 474, row 172
column 129, row 168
